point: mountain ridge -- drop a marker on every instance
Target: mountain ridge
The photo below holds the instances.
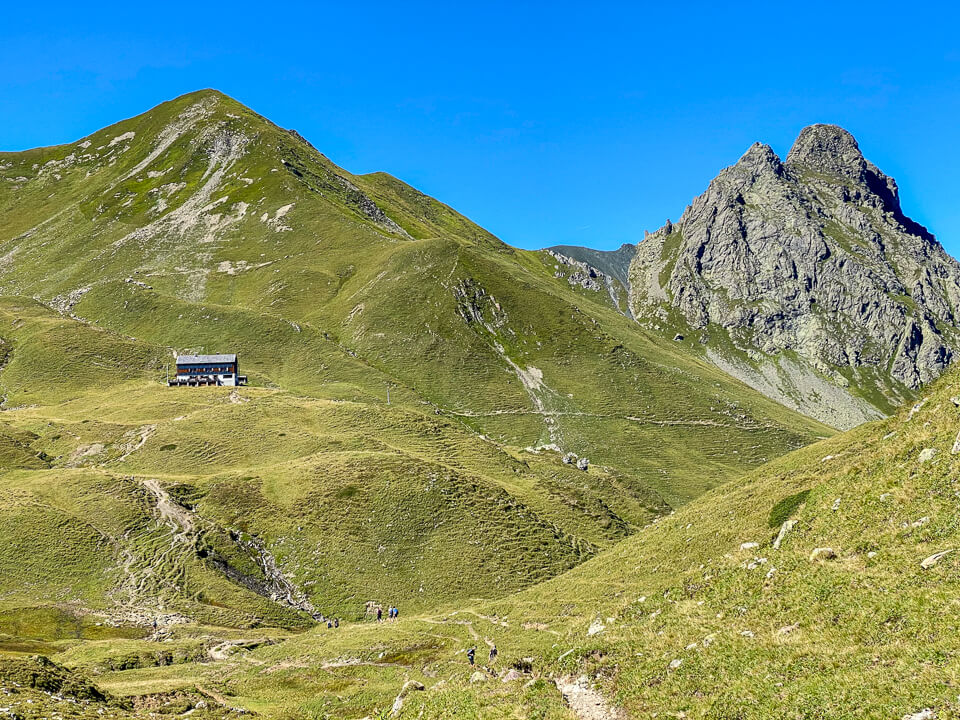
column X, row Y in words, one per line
column 415, row 386
column 435, row 421
column 779, row 266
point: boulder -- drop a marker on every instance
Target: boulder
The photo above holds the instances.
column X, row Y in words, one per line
column 749, row 545
column 929, row 562
column 927, row 454
column 478, row 677
column 784, row 529
column 408, row 686
column 511, row 675
column 823, row 553
column 596, row 627
column 583, row 464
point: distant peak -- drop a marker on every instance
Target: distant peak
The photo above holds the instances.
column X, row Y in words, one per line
column 827, row 149
column 758, row 156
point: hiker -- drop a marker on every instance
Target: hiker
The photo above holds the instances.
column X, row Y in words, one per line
column 493, row 653
column 471, row 653
column 329, row 624
column 336, row 622
column 396, row 612
column 379, row 614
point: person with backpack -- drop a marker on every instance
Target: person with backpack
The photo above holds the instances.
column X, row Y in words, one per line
column 471, row 654
column 379, row 614
column 493, row 654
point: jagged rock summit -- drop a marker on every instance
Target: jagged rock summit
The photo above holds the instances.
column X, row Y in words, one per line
column 804, row 278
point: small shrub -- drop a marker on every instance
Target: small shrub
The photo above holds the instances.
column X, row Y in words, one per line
column 783, row 510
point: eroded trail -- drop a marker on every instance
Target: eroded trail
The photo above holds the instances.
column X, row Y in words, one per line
column 157, row 560
column 585, row 702
column 181, row 520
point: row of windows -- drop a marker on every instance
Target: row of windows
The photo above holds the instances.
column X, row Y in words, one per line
column 205, row 370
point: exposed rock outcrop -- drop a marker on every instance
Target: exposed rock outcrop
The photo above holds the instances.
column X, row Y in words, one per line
column 805, row 279
column 584, row 274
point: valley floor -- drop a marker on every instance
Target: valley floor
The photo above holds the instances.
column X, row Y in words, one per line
column 821, row 585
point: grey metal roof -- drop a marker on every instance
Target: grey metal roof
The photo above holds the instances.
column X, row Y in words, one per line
column 205, row 359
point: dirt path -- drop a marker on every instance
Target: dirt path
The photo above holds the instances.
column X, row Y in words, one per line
column 173, row 514
column 587, row 703
column 609, row 416
column 143, row 434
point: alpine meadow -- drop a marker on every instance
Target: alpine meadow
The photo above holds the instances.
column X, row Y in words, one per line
column 710, row 475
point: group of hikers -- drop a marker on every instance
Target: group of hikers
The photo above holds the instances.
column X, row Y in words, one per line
column 472, row 654
column 392, row 613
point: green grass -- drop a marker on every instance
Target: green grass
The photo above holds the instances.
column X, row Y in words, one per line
column 867, row 634
column 122, row 500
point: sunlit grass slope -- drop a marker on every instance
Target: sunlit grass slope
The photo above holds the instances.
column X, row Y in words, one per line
column 201, row 225
column 146, row 493
column 852, row 614
column 236, row 518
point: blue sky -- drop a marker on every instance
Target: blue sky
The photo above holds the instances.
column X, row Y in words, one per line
column 546, row 123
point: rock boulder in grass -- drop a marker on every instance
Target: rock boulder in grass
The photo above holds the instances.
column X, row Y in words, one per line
column 822, row 553
column 929, row 562
column 806, row 270
column 408, row 686
column 784, row 529
column 927, row 454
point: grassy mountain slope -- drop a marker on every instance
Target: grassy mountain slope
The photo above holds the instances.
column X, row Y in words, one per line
column 201, row 223
column 851, row 614
column 349, row 497
column 232, row 515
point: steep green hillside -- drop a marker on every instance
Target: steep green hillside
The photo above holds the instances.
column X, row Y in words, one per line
column 237, row 518
column 202, row 225
column 156, row 491
column 821, row 585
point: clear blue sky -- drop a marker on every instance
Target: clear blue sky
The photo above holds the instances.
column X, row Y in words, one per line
column 546, row 123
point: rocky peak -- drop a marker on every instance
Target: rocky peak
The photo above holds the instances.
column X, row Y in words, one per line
column 828, row 150
column 805, row 279
column 760, row 157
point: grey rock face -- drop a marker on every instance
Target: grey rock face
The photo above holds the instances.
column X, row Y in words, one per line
column 580, row 273
column 615, row 263
column 805, row 279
